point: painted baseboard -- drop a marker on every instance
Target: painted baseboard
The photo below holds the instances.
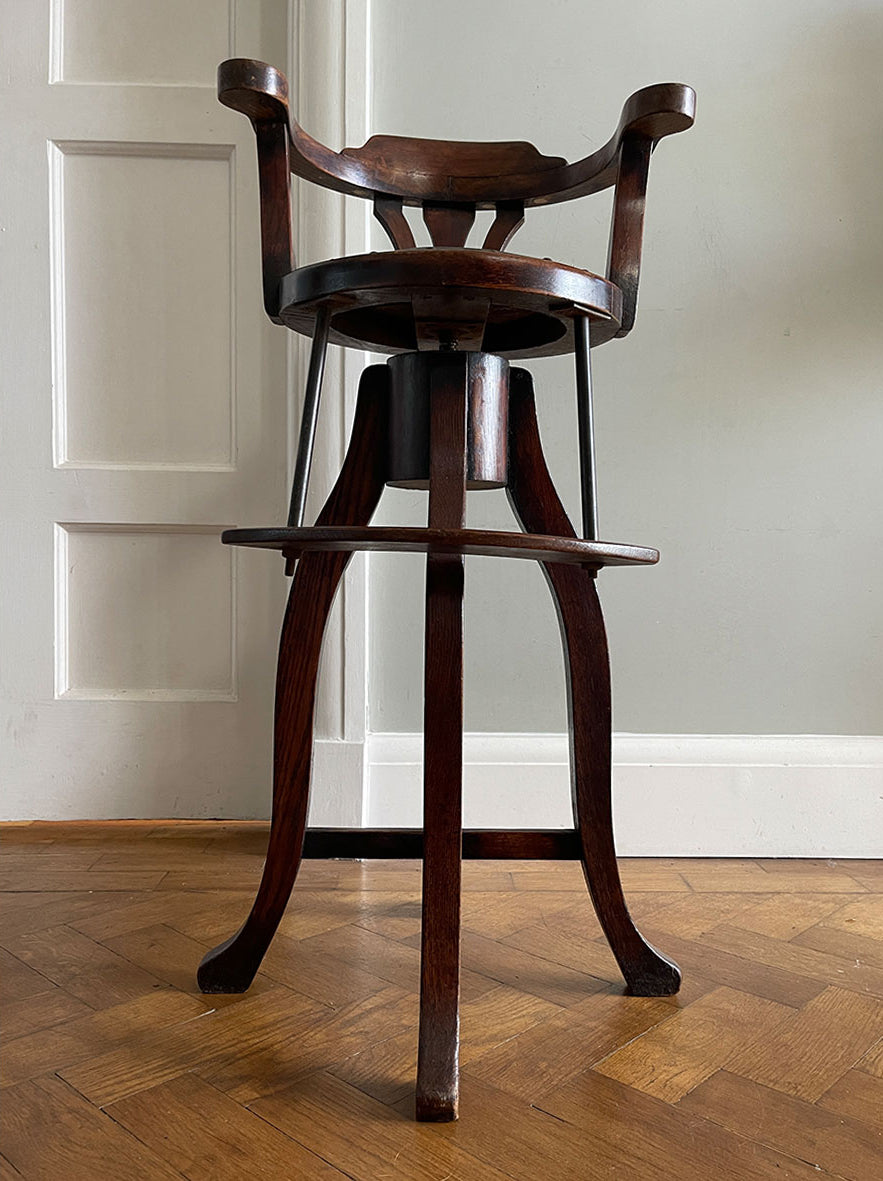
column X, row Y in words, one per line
column 699, row 795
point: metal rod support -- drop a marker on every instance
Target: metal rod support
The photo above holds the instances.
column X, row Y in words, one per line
column 308, row 420
column 586, row 418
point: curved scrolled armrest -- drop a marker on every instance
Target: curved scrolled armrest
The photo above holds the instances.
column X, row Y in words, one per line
column 253, row 88
column 261, row 92
column 648, row 116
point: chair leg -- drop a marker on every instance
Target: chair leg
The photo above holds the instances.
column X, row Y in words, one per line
column 438, row 1051
column 231, row 967
column 536, row 504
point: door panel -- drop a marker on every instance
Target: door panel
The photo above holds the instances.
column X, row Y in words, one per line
column 144, row 411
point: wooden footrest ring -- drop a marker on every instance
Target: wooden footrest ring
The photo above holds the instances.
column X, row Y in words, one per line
column 485, row 543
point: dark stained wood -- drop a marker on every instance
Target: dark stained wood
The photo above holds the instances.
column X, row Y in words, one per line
column 231, row 967
column 627, row 227
column 448, row 225
column 537, row 506
column 437, row 418
column 515, row 306
column 551, row 844
column 509, row 220
column 447, row 171
column 388, row 211
column 487, row 420
column 486, row 543
column 275, row 189
column 438, row 1048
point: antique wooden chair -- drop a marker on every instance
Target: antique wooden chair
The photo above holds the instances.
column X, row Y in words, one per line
column 446, row 413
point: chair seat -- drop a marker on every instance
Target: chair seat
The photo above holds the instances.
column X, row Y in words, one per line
column 480, row 542
column 403, row 300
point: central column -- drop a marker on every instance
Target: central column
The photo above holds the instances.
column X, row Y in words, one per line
column 449, row 424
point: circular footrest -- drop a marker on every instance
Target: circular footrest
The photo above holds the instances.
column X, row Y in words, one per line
column 482, row 542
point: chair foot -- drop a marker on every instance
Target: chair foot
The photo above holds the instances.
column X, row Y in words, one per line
column 654, row 975
column 225, row 970
column 436, row 1108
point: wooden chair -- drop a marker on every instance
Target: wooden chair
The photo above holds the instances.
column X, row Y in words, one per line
column 446, row 413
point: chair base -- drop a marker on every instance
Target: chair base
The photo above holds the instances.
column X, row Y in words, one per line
column 570, row 566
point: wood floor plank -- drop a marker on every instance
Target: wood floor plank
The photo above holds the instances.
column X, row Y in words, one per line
column 676, row 1055
column 840, row 1146
column 734, row 876
column 857, row 1095
column 76, row 1140
column 311, row 1046
column 386, row 1070
column 162, row 906
column 540, row 977
column 863, row 916
column 782, row 916
column 324, row 1042
column 18, row 1018
column 861, row 949
column 394, row 962
column 18, row 980
column 872, row 1062
column 367, row 1139
column 532, row 1063
column 98, row 1033
column 208, row 1042
column 206, row 1136
column 649, row 1138
column 693, row 914
column 815, row 1046
column 35, row 911
column 86, row 969
column 53, row 879
column 803, row 961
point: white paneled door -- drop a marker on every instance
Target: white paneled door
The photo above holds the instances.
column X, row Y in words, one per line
column 142, row 411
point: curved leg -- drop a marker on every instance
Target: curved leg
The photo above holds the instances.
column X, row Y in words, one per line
column 231, row 967
column 536, row 504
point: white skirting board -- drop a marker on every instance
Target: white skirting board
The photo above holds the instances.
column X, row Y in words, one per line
column 694, row 795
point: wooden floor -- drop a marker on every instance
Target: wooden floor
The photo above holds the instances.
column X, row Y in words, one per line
column 769, row 1064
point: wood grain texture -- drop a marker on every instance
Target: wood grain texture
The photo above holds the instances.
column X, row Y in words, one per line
column 77, row 1140
column 449, row 171
column 813, row 1048
column 203, row 1134
column 845, row 1147
column 231, row 967
column 437, row 540
column 438, row 1049
column 197, row 1087
column 672, row 1059
column 538, row 508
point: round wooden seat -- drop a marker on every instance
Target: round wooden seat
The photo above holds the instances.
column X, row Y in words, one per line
column 497, row 302
column 476, row 542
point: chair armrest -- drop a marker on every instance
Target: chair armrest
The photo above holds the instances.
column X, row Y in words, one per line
column 648, row 115
column 261, row 92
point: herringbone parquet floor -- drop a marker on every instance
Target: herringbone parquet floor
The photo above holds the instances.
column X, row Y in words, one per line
column 769, row 1063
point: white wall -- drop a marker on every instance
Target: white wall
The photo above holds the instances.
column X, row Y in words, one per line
column 739, row 427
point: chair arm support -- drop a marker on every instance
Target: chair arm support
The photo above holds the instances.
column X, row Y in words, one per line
column 648, row 115
column 261, row 92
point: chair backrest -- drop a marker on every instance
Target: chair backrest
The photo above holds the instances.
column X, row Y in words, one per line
column 451, row 179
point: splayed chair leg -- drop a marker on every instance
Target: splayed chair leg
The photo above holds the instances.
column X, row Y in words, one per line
column 231, row 967
column 536, row 504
